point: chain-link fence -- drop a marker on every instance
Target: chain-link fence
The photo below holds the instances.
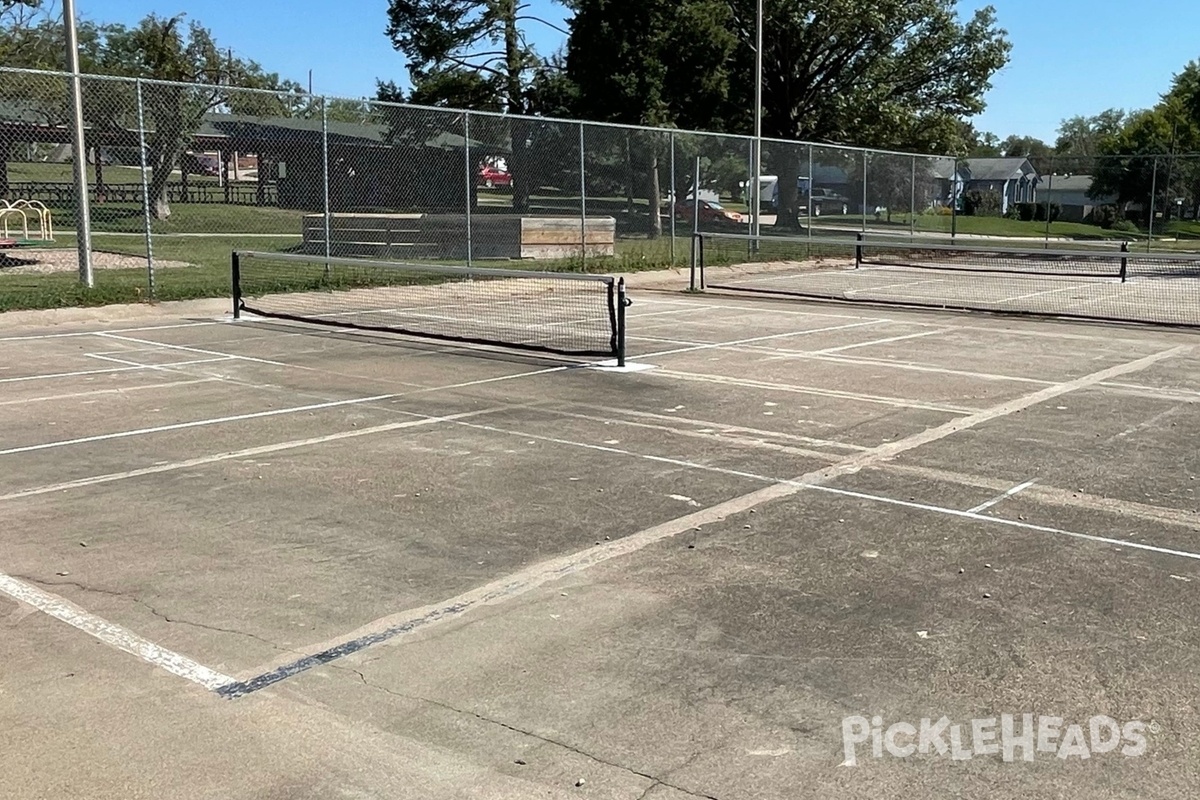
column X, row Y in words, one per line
column 179, row 175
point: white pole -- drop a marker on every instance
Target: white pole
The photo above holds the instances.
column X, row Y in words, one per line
column 756, row 209
column 83, row 217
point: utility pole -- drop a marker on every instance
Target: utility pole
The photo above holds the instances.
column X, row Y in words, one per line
column 756, row 197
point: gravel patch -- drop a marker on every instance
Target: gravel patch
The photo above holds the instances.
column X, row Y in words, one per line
column 37, row 261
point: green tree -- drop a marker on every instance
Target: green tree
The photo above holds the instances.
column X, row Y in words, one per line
column 157, row 48
column 1025, row 147
column 168, row 50
column 443, row 39
column 986, row 146
column 887, row 73
column 650, row 62
column 1081, row 136
column 1139, row 164
column 458, row 88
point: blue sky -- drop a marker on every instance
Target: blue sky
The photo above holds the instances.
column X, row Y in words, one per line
column 1069, row 56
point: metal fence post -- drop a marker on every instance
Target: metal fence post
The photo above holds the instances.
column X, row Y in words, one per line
column 912, row 202
column 864, row 196
column 582, row 201
column 1153, row 193
column 695, row 196
column 83, row 215
column 1049, row 194
column 671, row 195
column 954, row 202
column 809, row 192
column 325, row 183
column 141, row 120
column 469, row 173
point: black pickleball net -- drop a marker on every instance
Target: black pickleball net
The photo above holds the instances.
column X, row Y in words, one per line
column 566, row 313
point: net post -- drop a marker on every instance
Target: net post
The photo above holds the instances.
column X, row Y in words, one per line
column 235, row 269
column 622, row 302
column 1124, row 260
column 858, row 250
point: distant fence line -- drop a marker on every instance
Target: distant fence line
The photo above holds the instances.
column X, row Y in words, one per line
column 159, row 146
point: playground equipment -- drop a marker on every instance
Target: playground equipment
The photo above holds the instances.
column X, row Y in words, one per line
column 9, row 211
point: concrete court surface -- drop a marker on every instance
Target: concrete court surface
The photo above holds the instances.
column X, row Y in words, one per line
column 258, row 560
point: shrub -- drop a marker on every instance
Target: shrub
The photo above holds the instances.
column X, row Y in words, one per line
column 1124, row 226
column 1039, row 212
column 1104, row 216
column 981, row 204
column 1025, row 211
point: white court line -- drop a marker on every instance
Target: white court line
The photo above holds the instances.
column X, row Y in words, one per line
column 195, row 350
column 801, row 484
column 888, row 340
column 905, row 365
column 249, row 452
column 526, row 580
column 894, row 285
column 129, row 363
column 1012, row 523
column 96, row 333
column 195, row 424
column 1020, row 487
column 113, row 635
column 706, row 427
column 84, row 372
column 1044, row 292
column 712, row 345
column 94, row 392
column 896, row 402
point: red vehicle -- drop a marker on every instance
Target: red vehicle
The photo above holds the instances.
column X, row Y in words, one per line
column 710, row 212
column 491, row 177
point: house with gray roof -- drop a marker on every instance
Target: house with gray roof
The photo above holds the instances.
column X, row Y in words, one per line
column 1071, row 193
column 1014, row 179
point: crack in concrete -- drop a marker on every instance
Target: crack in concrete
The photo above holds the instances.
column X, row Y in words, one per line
column 654, row 780
column 160, row 614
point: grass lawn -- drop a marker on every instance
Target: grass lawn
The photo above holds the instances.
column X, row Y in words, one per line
column 45, row 171
column 208, row 278
column 186, row 218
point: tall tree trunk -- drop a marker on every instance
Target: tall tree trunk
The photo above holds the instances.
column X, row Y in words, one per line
column 4, row 148
column 163, row 156
column 653, row 194
column 629, row 178
column 99, row 174
column 518, row 167
column 789, row 195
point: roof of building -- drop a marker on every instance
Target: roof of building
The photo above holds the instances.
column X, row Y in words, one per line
column 998, row 169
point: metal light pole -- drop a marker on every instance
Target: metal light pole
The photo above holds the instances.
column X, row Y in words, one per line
column 758, row 81
column 83, row 220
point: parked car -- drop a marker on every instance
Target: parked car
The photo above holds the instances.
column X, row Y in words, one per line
column 491, row 177
column 825, row 201
column 711, row 212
